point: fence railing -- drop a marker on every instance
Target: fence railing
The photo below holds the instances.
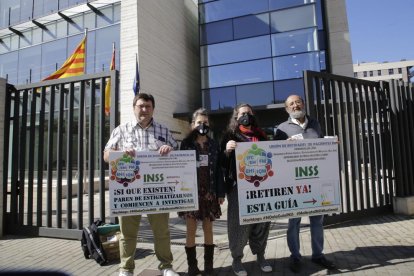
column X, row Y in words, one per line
column 357, row 111
column 56, row 132
column 401, row 116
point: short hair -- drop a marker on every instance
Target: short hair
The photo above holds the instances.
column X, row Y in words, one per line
column 199, row 112
column 291, row 96
column 144, row 96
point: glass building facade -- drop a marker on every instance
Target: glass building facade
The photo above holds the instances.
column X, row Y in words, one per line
column 256, row 51
column 36, row 37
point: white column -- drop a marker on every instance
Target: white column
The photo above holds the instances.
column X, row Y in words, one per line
column 339, row 43
column 165, row 36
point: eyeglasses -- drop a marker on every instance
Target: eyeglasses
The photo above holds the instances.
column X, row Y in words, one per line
column 297, row 102
column 142, row 106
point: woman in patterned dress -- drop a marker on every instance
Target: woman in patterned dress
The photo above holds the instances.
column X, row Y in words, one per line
column 210, row 191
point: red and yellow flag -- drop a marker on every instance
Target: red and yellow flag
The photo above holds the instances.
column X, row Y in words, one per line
column 108, row 85
column 73, row 66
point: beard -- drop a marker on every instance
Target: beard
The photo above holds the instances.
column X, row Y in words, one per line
column 297, row 114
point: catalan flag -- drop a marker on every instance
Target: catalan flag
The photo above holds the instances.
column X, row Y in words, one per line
column 108, row 84
column 73, row 66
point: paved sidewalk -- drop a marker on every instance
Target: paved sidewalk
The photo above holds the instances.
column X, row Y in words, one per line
column 374, row 246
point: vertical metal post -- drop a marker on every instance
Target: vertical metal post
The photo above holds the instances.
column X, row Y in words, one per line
column 81, row 149
column 50, row 167
column 59, row 155
column 69, row 156
column 91, row 150
column 31, row 154
column 22, row 156
column 41, row 134
column 101, row 146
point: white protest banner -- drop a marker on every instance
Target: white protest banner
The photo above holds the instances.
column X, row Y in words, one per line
column 286, row 179
column 150, row 183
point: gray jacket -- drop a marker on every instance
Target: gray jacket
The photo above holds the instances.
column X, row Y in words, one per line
column 289, row 128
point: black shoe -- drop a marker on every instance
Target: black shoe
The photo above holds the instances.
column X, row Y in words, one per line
column 295, row 265
column 324, row 262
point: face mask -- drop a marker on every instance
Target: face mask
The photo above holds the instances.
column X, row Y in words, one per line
column 246, row 120
column 202, row 129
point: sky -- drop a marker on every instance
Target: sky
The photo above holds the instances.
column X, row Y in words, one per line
column 381, row 30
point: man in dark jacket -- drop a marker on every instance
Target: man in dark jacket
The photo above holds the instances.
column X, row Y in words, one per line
column 301, row 126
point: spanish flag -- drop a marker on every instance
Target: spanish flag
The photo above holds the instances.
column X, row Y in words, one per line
column 108, row 84
column 73, row 66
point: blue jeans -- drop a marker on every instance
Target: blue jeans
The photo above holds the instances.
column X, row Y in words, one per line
column 293, row 241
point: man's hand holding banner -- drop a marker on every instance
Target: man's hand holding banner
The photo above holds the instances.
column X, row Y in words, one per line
column 286, row 179
column 150, row 183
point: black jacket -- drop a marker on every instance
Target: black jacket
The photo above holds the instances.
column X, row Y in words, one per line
column 228, row 160
column 216, row 174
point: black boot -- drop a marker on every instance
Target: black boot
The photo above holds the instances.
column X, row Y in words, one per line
column 192, row 261
column 208, row 259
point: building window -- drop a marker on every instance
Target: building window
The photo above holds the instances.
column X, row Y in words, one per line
column 219, row 10
column 236, row 51
column 53, row 56
column 399, row 70
column 255, row 94
column 390, row 71
column 293, row 19
column 29, row 65
column 365, row 74
column 291, row 67
column 371, row 73
column 286, row 87
column 379, row 73
column 216, row 32
column 252, row 25
column 301, row 41
column 355, row 75
column 237, row 73
column 220, row 98
column 8, row 66
column 262, row 46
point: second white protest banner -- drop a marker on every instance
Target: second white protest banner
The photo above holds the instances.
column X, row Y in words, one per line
column 286, row 179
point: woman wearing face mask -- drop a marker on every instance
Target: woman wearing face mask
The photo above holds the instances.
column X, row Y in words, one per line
column 210, row 191
column 242, row 128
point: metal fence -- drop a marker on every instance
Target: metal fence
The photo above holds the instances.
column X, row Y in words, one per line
column 56, row 132
column 374, row 125
column 401, row 115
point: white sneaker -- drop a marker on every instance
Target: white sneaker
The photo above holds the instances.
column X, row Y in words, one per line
column 169, row 272
column 238, row 268
column 125, row 273
column 264, row 264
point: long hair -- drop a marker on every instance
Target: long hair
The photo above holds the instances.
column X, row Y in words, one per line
column 233, row 124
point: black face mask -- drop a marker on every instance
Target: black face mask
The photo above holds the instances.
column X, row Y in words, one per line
column 246, row 120
column 202, row 129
